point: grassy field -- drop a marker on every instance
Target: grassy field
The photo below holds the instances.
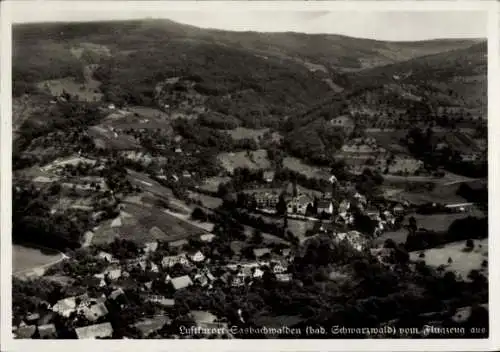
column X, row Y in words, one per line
column 147, row 112
column 443, row 193
column 242, row 133
column 405, row 164
column 462, row 261
column 435, row 222
column 398, row 236
column 207, row 201
column 137, row 220
column 389, row 140
column 251, row 160
column 310, row 171
column 88, row 91
column 212, row 184
column 25, row 258
column 105, row 138
column 146, row 183
column 299, row 228
column 441, row 222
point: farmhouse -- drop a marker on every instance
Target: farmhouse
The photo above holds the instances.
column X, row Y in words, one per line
column 150, row 325
column 181, row 282
column 65, row 306
column 197, row 257
column 207, row 237
column 257, row 273
column 170, row 261
column 204, row 319
column 116, row 293
column 284, row 277
column 325, row 206
column 268, row 176
column 266, row 199
column 112, row 273
column 354, row 238
column 94, row 311
column 95, row 331
column 150, row 247
column 299, row 204
column 345, row 122
column 161, row 300
column 201, row 279
column 279, row 268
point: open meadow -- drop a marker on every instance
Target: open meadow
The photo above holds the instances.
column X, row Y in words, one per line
column 250, row 159
column 462, row 261
column 309, row 171
column 27, row 258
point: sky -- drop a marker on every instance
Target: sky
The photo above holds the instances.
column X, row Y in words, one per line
column 394, row 25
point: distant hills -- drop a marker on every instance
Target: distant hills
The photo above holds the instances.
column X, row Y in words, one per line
column 258, row 78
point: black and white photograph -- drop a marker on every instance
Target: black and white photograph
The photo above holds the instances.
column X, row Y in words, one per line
column 229, row 173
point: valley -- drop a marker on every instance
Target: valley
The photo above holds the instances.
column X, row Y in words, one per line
column 290, row 177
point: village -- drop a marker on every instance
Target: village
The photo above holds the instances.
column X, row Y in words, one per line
column 236, row 181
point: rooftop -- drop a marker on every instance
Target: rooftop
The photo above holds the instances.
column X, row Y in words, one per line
column 94, row 331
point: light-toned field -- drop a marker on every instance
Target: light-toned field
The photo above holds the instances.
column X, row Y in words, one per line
column 28, row 258
column 442, row 193
column 106, row 138
column 434, row 222
column 299, row 228
column 398, row 236
column 390, row 140
column 87, row 91
column 462, row 261
column 242, row 133
column 405, row 164
column 136, row 221
column 148, row 112
column 309, row 171
column 252, row 160
column 207, row 201
column 441, row 222
column 212, row 184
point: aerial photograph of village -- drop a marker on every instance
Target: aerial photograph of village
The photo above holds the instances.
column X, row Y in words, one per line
column 176, row 178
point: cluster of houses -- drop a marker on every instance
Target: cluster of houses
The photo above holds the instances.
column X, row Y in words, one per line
column 91, row 313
